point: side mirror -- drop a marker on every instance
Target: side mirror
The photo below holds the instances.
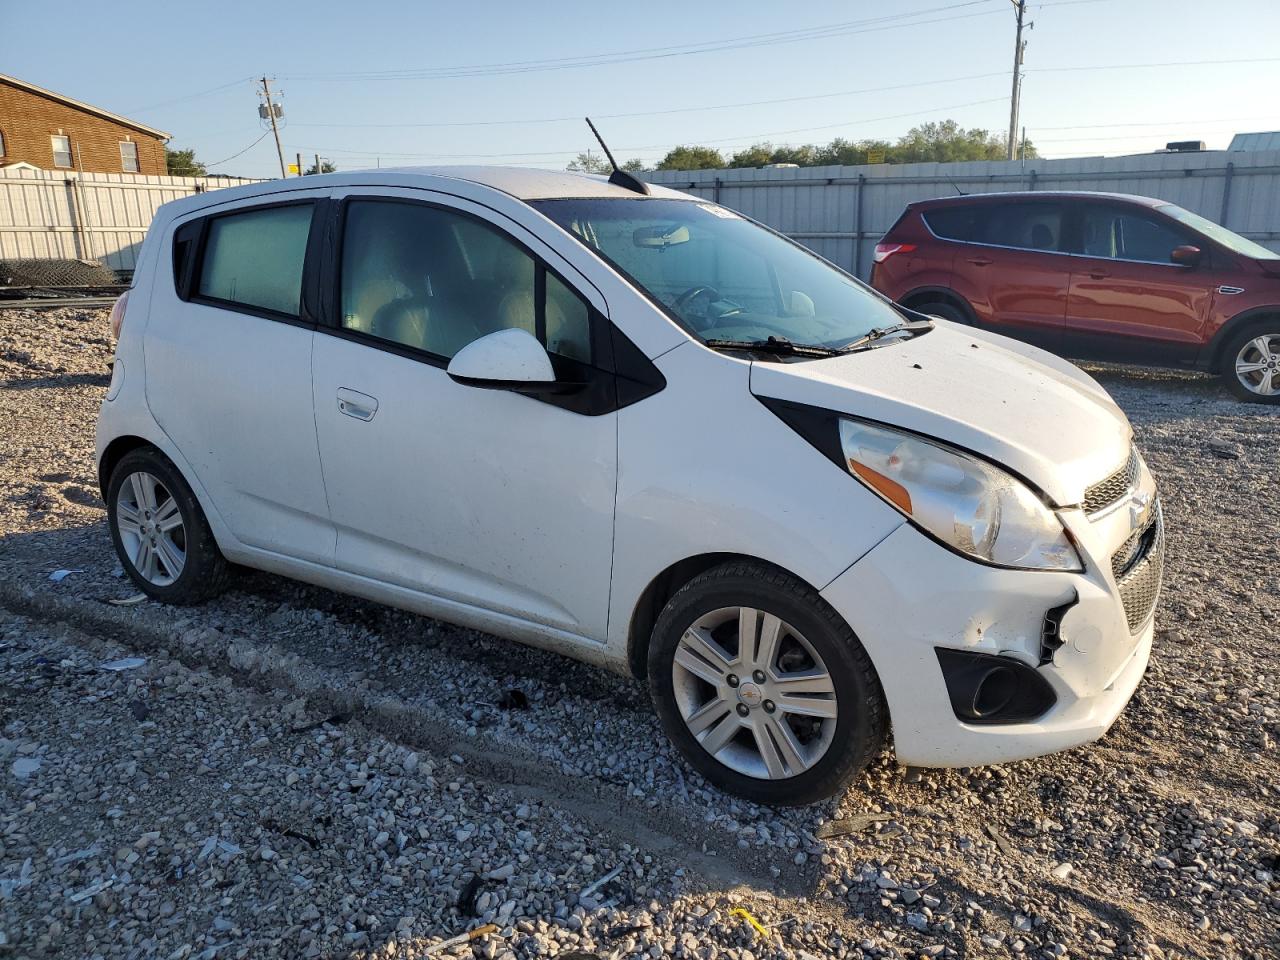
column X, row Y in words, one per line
column 1185, row 256
column 506, row 360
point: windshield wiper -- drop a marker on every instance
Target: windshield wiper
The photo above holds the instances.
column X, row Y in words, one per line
column 913, row 327
column 779, row 346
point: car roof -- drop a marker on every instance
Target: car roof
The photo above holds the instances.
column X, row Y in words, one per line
column 1042, row 195
column 522, row 183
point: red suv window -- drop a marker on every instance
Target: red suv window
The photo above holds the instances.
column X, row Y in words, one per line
column 1119, row 233
column 1025, row 226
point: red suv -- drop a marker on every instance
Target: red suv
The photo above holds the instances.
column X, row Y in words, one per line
column 1094, row 276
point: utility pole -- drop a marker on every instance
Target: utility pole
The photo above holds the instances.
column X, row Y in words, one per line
column 299, row 158
column 318, row 170
column 1015, row 100
column 271, row 115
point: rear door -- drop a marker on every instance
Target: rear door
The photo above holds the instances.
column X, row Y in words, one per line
column 1128, row 300
column 1015, row 272
column 486, row 498
column 228, row 367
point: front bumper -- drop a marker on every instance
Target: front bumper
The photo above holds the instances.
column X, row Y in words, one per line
column 909, row 596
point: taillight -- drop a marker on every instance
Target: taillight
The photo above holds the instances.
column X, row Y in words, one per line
column 886, row 250
column 117, row 314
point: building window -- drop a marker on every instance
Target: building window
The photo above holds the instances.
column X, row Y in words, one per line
column 61, row 151
column 128, row 156
column 1, row 143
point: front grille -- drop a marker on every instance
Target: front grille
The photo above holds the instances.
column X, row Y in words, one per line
column 1112, row 490
column 1138, row 567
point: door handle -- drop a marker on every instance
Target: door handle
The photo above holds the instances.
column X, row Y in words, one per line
column 353, row 403
column 1099, row 274
column 980, row 261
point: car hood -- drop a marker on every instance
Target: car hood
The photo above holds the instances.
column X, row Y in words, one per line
column 1036, row 414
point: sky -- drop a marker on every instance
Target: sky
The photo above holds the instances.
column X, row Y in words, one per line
column 400, row 83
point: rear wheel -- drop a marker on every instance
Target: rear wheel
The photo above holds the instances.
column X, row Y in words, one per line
column 763, row 687
column 1251, row 363
column 160, row 532
column 947, row 311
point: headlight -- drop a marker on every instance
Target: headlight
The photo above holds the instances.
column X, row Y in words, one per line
column 971, row 506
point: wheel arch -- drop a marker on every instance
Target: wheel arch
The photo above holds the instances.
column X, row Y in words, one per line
column 1241, row 321
column 115, row 452
column 933, row 294
column 662, row 588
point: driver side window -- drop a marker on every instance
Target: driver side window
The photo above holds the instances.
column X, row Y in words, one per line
column 435, row 280
column 1120, row 234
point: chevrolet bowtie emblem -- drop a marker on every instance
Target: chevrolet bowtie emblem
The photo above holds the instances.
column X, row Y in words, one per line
column 1138, row 504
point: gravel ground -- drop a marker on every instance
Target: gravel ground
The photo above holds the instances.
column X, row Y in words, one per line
column 291, row 772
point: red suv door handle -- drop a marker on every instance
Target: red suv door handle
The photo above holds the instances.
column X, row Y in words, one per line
column 980, row 261
column 1099, row 274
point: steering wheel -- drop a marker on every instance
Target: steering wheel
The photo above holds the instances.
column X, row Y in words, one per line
column 702, row 289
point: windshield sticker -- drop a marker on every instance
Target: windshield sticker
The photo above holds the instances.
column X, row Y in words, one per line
column 720, row 212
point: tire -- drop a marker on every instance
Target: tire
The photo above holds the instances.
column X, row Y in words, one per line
column 145, row 485
column 1259, row 344
column 947, row 311
column 830, row 750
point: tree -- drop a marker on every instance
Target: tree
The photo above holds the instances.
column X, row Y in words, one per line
column 183, row 163
column 692, row 158
column 326, row 166
column 593, row 163
column 842, row 152
column 948, row 142
column 756, row 155
column 589, row 163
column 944, row 141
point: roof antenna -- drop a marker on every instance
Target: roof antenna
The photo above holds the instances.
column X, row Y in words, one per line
column 956, row 187
column 619, row 177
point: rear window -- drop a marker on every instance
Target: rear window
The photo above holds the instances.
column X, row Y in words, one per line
column 954, row 223
column 254, row 258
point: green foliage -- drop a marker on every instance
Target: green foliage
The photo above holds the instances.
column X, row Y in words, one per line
column 944, row 142
column 598, row 163
column 183, row 163
column 692, row 158
column 325, row 167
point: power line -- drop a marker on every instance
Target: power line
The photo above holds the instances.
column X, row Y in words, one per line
column 754, row 138
column 1159, row 123
column 216, row 163
column 1144, row 66
column 846, row 28
column 576, row 118
column 190, row 96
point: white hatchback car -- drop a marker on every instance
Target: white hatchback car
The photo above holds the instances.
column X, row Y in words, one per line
column 638, row 429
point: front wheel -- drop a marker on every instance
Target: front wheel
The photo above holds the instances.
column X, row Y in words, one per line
column 1251, row 364
column 763, row 687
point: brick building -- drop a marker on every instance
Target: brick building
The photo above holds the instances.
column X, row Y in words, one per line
column 53, row 132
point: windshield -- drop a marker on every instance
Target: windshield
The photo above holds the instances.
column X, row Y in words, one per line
column 722, row 277
column 1220, row 234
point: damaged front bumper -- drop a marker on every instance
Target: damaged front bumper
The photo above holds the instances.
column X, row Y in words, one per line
column 1067, row 655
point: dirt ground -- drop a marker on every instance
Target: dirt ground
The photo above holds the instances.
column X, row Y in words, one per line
column 293, row 773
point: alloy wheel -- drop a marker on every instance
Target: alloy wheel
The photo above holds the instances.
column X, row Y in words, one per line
column 151, row 529
column 754, row 693
column 1258, row 365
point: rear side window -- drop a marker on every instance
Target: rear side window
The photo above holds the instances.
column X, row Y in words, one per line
column 435, row 280
column 1027, row 226
column 254, row 258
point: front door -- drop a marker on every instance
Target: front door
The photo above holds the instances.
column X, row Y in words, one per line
column 484, row 497
column 1128, row 300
